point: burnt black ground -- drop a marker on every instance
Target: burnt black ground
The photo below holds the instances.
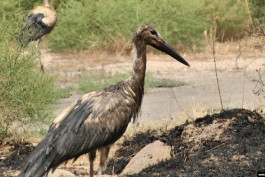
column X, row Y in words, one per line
column 15, row 156
column 241, row 151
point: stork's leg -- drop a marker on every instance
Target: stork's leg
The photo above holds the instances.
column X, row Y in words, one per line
column 39, row 54
column 91, row 157
column 104, row 152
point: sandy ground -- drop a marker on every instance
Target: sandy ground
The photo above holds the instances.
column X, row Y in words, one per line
column 236, row 76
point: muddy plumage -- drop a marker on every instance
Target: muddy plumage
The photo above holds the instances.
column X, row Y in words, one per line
column 97, row 119
column 40, row 22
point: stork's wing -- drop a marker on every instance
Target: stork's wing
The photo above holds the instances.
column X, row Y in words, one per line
column 33, row 29
column 97, row 119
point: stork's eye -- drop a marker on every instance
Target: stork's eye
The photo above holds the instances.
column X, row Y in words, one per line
column 153, row 32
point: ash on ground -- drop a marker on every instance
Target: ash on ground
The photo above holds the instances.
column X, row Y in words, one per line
column 231, row 143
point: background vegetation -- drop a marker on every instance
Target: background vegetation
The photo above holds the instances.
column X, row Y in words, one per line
column 25, row 93
column 109, row 24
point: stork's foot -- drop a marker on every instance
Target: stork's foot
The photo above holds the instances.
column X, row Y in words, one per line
column 42, row 68
column 92, row 156
column 91, row 172
column 100, row 171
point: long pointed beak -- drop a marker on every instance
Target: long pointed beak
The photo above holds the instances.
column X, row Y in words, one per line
column 164, row 47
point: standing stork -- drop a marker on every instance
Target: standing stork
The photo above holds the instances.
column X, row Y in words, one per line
column 99, row 118
column 41, row 21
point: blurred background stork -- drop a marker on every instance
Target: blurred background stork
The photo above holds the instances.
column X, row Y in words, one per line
column 99, row 118
column 41, row 21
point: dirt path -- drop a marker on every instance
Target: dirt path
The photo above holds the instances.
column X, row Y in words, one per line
column 201, row 93
column 192, row 100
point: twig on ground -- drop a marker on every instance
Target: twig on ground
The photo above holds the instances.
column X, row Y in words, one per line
column 216, row 147
column 239, row 54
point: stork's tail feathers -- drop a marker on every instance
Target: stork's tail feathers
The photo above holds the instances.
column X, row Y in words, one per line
column 39, row 162
column 23, row 39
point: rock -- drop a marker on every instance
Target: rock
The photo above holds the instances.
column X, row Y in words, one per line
column 35, row 144
column 151, row 154
column 60, row 173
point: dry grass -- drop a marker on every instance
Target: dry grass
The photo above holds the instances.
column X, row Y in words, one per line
column 230, row 49
column 164, row 125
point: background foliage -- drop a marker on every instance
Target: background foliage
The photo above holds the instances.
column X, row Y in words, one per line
column 25, row 93
column 109, row 24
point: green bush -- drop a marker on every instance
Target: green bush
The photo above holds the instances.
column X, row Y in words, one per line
column 25, row 92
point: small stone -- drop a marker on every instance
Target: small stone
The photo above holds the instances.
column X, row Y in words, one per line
column 150, row 155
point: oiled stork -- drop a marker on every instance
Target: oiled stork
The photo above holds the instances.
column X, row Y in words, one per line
column 99, row 118
column 41, row 21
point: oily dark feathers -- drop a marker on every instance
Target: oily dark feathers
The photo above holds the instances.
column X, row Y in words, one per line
column 97, row 119
column 34, row 29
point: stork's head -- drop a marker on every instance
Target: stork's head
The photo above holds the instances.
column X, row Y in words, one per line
column 148, row 34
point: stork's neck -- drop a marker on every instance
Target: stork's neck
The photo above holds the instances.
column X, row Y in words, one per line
column 139, row 62
column 46, row 2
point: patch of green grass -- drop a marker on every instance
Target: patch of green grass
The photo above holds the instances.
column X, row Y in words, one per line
column 43, row 131
column 153, row 82
column 99, row 79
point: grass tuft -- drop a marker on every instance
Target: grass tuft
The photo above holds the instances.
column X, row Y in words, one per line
column 99, row 79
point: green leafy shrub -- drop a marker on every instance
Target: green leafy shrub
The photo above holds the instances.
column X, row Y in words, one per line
column 25, row 92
